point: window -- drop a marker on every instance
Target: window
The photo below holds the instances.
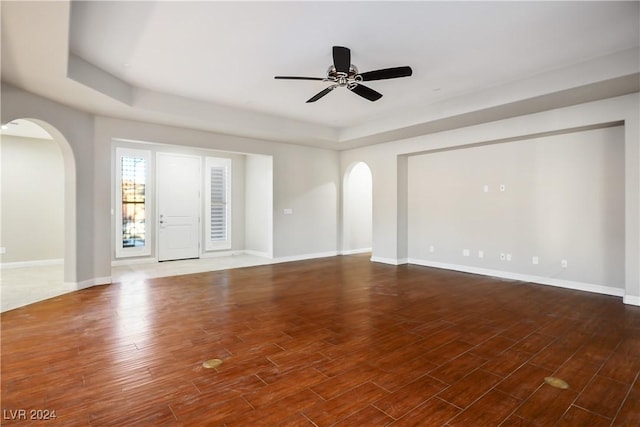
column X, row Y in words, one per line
column 218, row 196
column 132, row 202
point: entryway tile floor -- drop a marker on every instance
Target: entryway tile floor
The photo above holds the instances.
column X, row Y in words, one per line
column 22, row 286
column 26, row 285
column 127, row 273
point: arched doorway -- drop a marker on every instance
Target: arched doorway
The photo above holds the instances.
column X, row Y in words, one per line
column 357, row 209
column 38, row 213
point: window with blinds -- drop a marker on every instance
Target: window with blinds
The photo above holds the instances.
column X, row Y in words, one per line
column 218, row 203
column 218, row 211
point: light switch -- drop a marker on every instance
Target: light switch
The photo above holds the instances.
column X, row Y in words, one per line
column 288, row 211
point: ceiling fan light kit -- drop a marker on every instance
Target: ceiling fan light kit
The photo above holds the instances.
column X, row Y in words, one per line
column 344, row 74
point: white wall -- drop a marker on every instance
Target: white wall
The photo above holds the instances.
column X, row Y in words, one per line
column 73, row 132
column 32, row 200
column 259, row 205
column 389, row 166
column 358, row 193
column 563, row 199
column 304, row 178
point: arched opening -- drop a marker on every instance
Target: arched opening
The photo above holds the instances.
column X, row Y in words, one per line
column 38, row 213
column 357, row 209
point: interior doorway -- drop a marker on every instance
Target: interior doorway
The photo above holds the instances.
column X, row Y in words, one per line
column 38, row 213
column 357, row 209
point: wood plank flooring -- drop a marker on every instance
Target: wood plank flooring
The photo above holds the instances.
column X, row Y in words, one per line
column 332, row 342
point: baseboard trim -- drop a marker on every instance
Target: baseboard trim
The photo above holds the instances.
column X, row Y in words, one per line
column 391, row 261
column 96, row 281
column 355, row 251
column 34, row 263
column 631, row 300
column 549, row 281
column 305, row 257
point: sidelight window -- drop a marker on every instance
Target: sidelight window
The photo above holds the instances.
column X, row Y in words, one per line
column 132, row 214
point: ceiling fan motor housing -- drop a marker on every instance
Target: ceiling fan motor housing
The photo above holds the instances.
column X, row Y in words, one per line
column 344, row 79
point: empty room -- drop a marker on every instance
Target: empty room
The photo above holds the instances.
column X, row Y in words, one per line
column 320, row 213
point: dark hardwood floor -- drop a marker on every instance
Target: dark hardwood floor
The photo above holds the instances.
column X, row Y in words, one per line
column 337, row 341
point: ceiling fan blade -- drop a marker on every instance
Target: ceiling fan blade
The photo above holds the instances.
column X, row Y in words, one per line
column 365, row 92
column 342, row 59
column 322, row 93
column 386, row 73
column 298, row 78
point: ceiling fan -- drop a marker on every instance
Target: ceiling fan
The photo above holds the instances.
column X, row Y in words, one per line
column 344, row 74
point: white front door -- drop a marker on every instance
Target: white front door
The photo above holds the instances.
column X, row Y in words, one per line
column 178, row 180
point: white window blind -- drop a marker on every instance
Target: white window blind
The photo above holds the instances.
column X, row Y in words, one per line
column 218, row 203
column 218, row 210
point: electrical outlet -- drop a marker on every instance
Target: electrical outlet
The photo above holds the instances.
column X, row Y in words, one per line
column 535, row 260
column 3, row 250
column 485, row 188
column 432, row 249
column 466, row 252
column 288, row 211
column 503, row 188
column 564, row 263
column 502, row 257
column 480, row 254
column 508, row 257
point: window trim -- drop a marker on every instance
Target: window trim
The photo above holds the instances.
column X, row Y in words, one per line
column 134, row 251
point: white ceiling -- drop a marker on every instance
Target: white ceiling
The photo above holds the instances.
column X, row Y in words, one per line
column 210, row 65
